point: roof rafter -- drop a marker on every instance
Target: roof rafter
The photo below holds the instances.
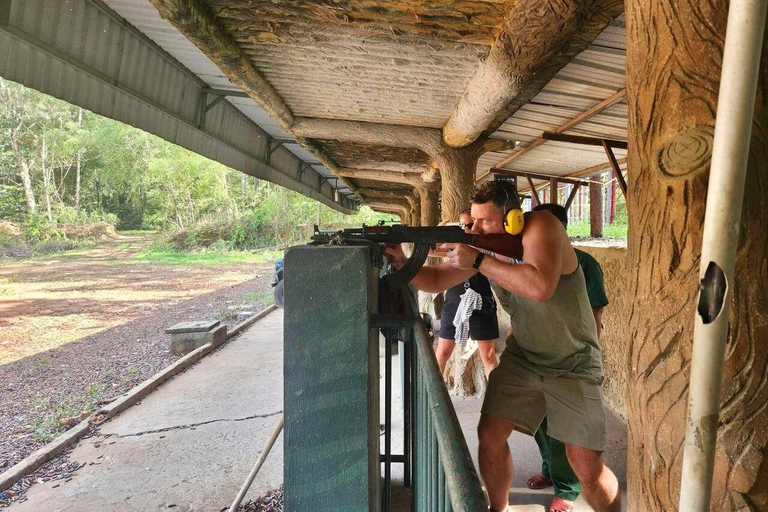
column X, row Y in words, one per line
column 571, row 123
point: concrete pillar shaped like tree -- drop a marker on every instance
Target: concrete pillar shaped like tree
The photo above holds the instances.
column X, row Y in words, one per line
column 674, row 58
column 457, row 173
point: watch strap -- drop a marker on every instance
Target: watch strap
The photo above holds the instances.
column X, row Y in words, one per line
column 478, row 260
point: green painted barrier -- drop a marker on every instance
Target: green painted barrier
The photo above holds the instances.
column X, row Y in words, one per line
column 444, row 477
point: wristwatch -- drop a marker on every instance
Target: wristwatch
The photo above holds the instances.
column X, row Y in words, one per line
column 478, row 260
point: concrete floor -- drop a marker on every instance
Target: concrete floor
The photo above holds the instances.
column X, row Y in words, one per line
column 189, row 445
column 527, row 461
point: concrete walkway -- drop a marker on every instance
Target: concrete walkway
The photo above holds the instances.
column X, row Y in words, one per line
column 189, row 445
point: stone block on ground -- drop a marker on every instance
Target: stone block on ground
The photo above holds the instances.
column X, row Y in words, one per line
column 188, row 336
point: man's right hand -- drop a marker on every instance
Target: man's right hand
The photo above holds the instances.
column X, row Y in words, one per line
column 395, row 255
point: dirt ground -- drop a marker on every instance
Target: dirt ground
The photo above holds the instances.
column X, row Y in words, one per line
column 80, row 328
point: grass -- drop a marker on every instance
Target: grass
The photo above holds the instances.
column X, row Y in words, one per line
column 206, row 258
column 41, row 250
column 264, row 296
column 48, row 427
column 581, row 229
column 93, row 394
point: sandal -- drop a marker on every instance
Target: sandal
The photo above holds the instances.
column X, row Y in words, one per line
column 538, row 481
column 561, row 505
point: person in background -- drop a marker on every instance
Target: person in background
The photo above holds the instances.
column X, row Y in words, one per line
column 483, row 324
column 555, row 469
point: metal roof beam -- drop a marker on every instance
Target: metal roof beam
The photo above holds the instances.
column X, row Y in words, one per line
column 571, row 123
column 585, row 141
column 225, row 92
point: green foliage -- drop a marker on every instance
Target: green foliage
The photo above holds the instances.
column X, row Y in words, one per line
column 48, row 427
column 12, row 202
column 93, row 393
column 580, row 229
column 129, row 179
column 37, row 228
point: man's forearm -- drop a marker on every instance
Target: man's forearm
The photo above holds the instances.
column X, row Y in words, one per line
column 598, row 314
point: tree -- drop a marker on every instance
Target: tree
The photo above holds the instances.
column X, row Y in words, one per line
column 17, row 122
column 674, row 58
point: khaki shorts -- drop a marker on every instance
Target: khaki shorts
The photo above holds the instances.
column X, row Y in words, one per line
column 573, row 406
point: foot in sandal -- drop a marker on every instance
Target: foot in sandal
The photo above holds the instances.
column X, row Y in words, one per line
column 561, row 505
column 538, row 481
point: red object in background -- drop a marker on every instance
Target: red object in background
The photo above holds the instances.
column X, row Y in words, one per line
column 612, row 201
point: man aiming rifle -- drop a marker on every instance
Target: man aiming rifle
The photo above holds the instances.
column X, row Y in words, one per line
column 552, row 363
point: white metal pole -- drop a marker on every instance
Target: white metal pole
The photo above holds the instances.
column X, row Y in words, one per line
column 733, row 128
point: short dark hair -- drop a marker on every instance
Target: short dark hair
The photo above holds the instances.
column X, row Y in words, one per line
column 501, row 193
column 555, row 209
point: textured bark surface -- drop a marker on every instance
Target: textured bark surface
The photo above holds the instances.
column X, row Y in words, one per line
column 538, row 39
column 457, row 171
column 425, row 139
column 615, row 340
column 451, row 20
column 428, row 194
column 196, row 21
column 464, row 373
column 673, row 66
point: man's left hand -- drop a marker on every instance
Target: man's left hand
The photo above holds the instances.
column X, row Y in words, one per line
column 460, row 256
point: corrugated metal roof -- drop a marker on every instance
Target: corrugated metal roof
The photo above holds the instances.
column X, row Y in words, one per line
column 591, row 77
column 143, row 15
column 83, row 52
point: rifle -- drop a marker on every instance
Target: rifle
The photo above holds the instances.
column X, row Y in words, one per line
column 423, row 239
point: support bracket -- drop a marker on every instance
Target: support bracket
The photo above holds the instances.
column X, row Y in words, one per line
column 615, row 167
column 572, row 196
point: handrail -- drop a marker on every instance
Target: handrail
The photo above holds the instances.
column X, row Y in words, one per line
column 458, row 473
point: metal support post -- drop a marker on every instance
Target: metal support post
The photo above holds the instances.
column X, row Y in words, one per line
column 733, row 126
column 387, row 497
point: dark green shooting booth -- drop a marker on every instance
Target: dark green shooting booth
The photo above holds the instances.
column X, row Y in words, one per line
column 331, row 381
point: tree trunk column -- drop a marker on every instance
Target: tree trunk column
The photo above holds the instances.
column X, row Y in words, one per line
column 428, row 195
column 595, row 208
column 672, row 95
column 414, row 210
column 457, row 173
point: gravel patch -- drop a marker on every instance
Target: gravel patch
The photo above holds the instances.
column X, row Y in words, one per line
column 270, row 502
column 41, row 396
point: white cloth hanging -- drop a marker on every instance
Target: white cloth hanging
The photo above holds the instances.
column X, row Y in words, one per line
column 470, row 302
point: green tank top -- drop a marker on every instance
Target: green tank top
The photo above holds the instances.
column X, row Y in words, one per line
column 557, row 336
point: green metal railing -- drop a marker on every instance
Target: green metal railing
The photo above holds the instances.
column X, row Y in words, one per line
column 444, row 476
